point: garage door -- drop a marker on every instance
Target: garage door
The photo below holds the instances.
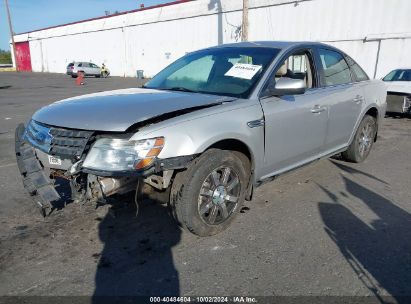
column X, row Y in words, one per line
column 23, row 56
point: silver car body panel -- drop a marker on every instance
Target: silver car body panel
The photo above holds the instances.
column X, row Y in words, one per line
column 293, row 131
column 193, row 133
column 118, row 110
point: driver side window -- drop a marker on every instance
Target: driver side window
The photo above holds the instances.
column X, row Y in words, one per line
column 297, row 66
column 296, row 73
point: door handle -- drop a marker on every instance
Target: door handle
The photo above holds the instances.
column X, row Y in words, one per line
column 358, row 98
column 318, row 109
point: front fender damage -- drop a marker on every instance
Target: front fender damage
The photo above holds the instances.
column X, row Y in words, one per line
column 87, row 186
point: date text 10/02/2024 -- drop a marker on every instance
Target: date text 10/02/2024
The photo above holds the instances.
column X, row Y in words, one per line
column 239, row 299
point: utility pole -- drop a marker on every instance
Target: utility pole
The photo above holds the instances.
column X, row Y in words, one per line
column 244, row 30
column 6, row 3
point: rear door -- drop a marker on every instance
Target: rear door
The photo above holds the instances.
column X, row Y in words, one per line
column 94, row 69
column 87, row 68
column 295, row 125
column 345, row 97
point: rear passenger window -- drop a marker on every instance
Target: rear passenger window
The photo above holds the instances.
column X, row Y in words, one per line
column 336, row 70
column 358, row 72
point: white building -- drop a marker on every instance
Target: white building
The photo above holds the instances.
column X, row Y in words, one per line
column 376, row 33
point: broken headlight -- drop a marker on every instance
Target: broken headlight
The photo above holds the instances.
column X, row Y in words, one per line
column 110, row 154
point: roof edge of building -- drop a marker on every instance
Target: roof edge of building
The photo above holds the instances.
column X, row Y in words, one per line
column 104, row 17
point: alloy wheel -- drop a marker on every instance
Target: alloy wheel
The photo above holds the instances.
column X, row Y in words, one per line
column 366, row 139
column 219, row 195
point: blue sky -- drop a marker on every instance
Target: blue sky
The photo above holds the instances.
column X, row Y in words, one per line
column 29, row 15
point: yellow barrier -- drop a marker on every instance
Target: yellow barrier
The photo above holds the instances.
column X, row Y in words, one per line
column 7, row 69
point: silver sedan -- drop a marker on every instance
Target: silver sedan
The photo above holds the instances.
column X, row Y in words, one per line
column 206, row 130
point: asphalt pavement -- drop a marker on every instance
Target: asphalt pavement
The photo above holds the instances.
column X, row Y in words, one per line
column 329, row 229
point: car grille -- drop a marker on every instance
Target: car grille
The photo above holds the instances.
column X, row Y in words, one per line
column 67, row 143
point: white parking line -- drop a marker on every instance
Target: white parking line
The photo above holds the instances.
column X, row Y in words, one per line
column 7, row 165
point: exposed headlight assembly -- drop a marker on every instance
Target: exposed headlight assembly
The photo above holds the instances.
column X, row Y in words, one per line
column 110, row 154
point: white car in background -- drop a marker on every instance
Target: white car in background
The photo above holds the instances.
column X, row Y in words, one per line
column 398, row 84
column 87, row 68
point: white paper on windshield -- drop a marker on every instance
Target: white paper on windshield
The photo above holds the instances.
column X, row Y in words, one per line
column 243, row 70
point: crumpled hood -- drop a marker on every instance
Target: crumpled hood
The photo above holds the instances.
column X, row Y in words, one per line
column 398, row 86
column 119, row 109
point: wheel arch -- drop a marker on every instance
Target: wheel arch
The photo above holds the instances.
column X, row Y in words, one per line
column 373, row 112
column 233, row 144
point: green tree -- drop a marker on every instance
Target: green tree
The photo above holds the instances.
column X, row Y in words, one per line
column 5, row 56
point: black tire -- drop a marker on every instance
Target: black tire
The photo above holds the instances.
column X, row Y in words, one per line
column 363, row 141
column 189, row 206
column 73, row 76
column 97, row 76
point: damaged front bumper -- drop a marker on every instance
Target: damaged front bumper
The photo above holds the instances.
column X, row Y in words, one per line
column 35, row 179
column 39, row 173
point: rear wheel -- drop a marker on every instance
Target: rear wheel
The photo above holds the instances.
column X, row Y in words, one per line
column 363, row 140
column 207, row 196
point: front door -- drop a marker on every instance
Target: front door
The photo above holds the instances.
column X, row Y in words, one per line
column 295, row 125
column 295, row 129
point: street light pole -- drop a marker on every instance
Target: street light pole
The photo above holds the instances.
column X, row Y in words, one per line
column 6, row 3
column 244, row 31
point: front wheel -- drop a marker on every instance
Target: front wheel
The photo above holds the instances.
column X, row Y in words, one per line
column 207, row 196
column 363, row 140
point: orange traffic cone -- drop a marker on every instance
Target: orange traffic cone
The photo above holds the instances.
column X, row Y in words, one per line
column 79, row 79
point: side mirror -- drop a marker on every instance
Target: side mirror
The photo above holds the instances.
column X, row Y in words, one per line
column 286, row 86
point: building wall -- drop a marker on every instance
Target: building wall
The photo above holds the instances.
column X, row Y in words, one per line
column 376, row 33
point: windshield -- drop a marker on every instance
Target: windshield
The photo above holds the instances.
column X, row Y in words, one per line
column 398, row 75
column 230, row 71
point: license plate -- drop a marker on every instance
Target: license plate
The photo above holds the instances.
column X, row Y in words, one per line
column 54, row 160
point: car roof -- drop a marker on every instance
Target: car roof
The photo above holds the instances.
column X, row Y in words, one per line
column 401, row 68
column 273, row 44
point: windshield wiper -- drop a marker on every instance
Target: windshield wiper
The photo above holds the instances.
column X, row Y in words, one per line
column 181, row 89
